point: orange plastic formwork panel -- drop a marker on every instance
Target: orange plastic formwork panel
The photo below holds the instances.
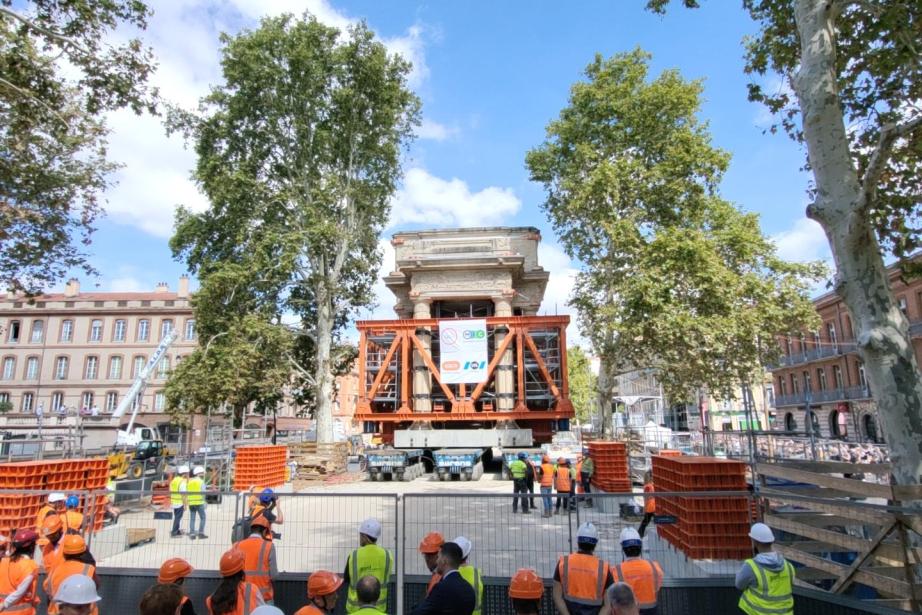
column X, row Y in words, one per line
column 263, row 466
column 612, row 471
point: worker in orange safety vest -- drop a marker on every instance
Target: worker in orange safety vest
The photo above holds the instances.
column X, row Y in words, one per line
column 581, row 578
column 234, row 596
column 321, row 591
column 429, row 547
column 649, row 504
column 52, row 552
column 174, row 572
column 54, row 506
column 77, row 560
column 19, row 575
column 644, row 576
column 261, row 563
column 546, row 469
column 564, row 481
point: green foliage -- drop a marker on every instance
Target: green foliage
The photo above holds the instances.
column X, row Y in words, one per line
column 6, row 406
column 57, row 75
column 582, row 382
column 878, row 85
column 299, row 153
column 674, row 277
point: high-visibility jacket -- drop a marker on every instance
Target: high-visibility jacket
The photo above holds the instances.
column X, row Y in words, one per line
column 563, row 479
column 52, row 555
column 43, row 512
column 547, row 475
column 195, row 488
column 587, row 466
column 310, row 609
column 773, row 593
column 248, row 599
column 67, row 568
column 644, row 576
column 73, row 522
column 258, row 550
column 11, row 575
column 176, row 487
column 517, row 469
column 368, row 560
column 435, row 578
column 582, row 578
column 649, row 504
column 475, row 579
column 367, row 610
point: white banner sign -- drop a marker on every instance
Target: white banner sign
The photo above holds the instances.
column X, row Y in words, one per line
column 463, row 351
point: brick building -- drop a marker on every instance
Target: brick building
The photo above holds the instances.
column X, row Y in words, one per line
column 820, row 382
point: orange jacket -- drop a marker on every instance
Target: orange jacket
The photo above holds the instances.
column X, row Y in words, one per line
column 52, row 555
column 645, row 578
column 73, row 522
column 11, row 575
column 563, row 481
column 257, row 551
column 247, row 600
column 649, row 504
column 43, row 512
column 435, row 578
column 547, row 474
column 582, row 578
column 65, row 569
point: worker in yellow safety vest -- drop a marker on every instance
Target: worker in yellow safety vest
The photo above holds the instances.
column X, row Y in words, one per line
column 469, row 573
column 518, row 469
column 178, row 488
column 195, row 498
column 766, row 580
column 368, row 559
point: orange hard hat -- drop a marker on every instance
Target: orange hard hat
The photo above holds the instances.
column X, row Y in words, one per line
column 526, row 584
column 73, row 544
column 52, row 524
column 545, row 459
column 174, row 569
column 323, row 583
column 232, row 562
column 431, row 543
column 260, row 521
column 561, row 460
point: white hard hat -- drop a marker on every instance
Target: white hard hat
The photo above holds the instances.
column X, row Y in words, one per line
column 198, row 470
column 371, row 528
column 183, row 469
column 56, row 497
column 761, row 533
column 630, row 537
column 77, row 589
column 267, row 609
column 465, row 545
column 587, row 533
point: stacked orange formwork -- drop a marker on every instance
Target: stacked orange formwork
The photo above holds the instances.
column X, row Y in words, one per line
column 611, row 466
column 69, row 476
column 708, row 527
column 263, row 466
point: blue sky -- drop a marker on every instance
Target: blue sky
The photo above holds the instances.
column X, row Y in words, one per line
column 490, row 75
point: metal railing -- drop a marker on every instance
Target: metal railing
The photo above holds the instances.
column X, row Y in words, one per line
column 825, row 396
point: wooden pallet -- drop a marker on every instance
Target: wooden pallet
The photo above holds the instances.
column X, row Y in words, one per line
column 140, row 536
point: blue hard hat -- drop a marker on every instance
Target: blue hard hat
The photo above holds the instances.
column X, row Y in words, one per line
column 72, row 501
column 523, row 455
column 267, row 496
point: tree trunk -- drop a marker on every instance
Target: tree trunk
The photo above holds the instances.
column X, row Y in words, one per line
column 323, row 374
column 604, row 385
column 881, row 330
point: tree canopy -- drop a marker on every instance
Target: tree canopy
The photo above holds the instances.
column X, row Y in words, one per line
column 299, row 152
column 58, row 74
column 674, row 277
column 582, row 383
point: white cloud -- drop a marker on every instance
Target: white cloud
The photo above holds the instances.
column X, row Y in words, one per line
column 426, row 199
column 559, row 287
column 434, row 131
column 126, row 284
column 804, row 241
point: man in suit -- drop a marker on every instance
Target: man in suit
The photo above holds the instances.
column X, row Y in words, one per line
column 452, row 595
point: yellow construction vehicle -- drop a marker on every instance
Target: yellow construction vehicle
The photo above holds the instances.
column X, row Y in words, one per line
column 147, row 458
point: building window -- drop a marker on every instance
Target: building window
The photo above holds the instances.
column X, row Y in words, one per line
column 790, row 423
column 904, row 307
column 163, row 368
column 111, row 401
column 28, row 399
column 166, row 325
column 807, row 382
column 770, row 396
column 143, row 330
column 67, row 330
column 795, row 384
column 870, row 429
column 837, row 376
column 816, row 340
column 814, row 422
column 32, row 368
column 831, row 332
column 60, row 368
column 115, row 368
column 9, row 368
column 4, row 398
column 838, row 424
column 784, row 386
column 137, row 366
column 862, row 378
column 96, row 331
column 15, row 329
column 159, row 401
column 92, row 368
column 821, row 378
column 803, row 344
column 118, row 331
column 86, row 401
column 190, row 329
column 57, row 401
column 789, row 346
column 38, row 331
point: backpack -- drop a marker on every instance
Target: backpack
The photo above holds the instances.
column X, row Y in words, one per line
column 241, row 529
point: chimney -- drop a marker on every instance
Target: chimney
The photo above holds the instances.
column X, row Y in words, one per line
column 183, row 290
column 72, row 288
column 162, row 287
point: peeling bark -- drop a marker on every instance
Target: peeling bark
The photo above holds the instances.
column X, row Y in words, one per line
column 323, row 374
column 881, row 329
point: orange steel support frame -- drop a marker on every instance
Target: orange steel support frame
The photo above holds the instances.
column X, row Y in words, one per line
column 462, row 405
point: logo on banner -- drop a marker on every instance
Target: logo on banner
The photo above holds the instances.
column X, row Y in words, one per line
column 463, row 353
